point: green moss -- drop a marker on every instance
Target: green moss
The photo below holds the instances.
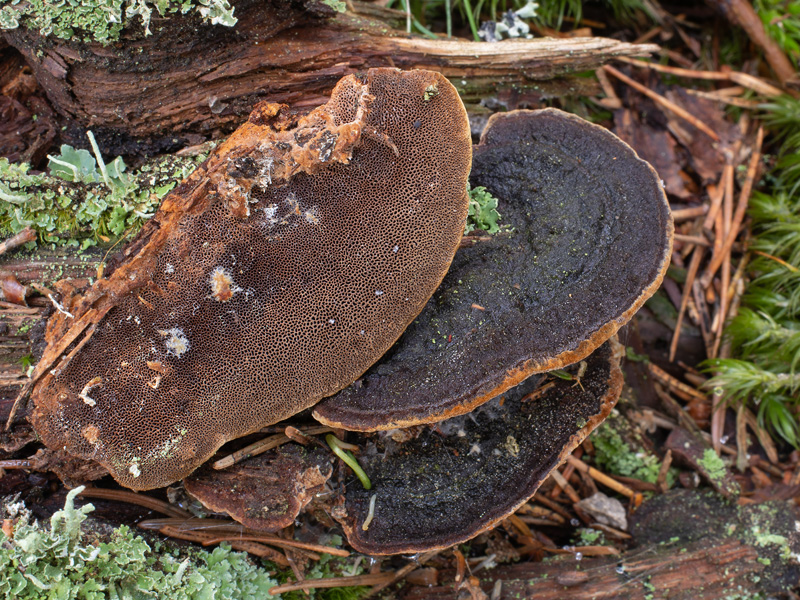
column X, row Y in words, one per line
column 713, row 466
column 82, row 201
column 614, row 455
column 61, row 563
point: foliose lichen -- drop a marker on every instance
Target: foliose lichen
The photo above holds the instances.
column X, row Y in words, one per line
column 482, row 211
column 103, row 20
column 81, row 200
column 62, row 563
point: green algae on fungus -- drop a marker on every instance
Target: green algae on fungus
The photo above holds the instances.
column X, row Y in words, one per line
column 542, row 295
column 464, row 475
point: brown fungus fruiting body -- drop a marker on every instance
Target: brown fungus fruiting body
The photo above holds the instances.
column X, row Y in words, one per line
column 588, row 239
column 466, row 474
column 265, row 492
column 272, row 277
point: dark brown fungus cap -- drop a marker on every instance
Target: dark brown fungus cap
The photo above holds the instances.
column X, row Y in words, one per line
column 266, row 492
column 462, row 476
column 274, row 276
column 591, row 240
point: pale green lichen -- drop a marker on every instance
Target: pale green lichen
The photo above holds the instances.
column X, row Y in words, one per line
column 482, row 211
column 589, row 537
column 82, row 201
column 103, row 20
column 62, row 563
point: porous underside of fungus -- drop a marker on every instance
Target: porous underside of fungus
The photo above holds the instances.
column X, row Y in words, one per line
column 273, row 276
column 265, row 492
column 463, row 475
column 588, row 239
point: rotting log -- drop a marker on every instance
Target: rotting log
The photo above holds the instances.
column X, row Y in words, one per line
column 689, row 546
column 722, row 568
column 201, row 79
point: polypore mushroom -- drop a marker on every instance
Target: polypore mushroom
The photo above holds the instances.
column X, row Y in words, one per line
column 265, row 492
column 272, row 277
column 465, row 474
column 589, row 240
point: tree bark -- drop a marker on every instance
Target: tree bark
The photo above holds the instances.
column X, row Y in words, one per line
column 189, row 78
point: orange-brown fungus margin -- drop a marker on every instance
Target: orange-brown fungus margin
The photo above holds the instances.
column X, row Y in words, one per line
column 272, row 277
column 590, row 240
column 464, row 475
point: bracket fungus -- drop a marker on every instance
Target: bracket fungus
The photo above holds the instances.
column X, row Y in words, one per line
column 588, row 240
column 265, row 492
column 295, row 257
column 465, row 474
column 272, row 277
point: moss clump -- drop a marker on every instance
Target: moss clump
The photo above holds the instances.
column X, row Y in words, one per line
column 60, row 563
column 589, row 537
column 614, row 455
column 81, row 200
column 713, row 466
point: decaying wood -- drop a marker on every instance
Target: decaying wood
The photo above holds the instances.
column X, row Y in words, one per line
column 688, row 545
column 198, row 78
column 721, row 568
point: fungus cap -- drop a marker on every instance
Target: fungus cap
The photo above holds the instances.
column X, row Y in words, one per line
column 273, row 276
column 465, row 474
column 588, row 239
column 265, row 492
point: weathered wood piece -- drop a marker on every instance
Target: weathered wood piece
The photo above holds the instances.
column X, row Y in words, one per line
column 20, row 326
column 689, row 546
column 198, row 78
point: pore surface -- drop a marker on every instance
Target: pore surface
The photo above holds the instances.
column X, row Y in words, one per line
column 314, row 243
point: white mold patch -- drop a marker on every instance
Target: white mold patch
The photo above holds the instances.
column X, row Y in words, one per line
column 270, row 212
column 84, row 395
column 176, row 341
column 134, row 470
column 265, row 175
column 312, row 216
column 222, row 285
